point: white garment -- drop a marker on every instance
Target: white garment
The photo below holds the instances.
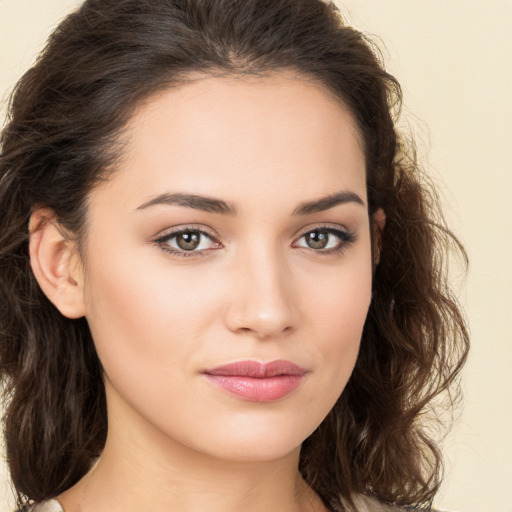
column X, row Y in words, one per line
column 364, row 504
column 46, row 506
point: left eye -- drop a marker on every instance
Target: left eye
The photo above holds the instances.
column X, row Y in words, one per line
column 324, row 239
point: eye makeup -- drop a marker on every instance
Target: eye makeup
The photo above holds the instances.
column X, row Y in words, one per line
column 326, row 240
column 188, row 241
column 192, row 241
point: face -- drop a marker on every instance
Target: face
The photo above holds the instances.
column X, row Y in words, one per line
column 228, row 265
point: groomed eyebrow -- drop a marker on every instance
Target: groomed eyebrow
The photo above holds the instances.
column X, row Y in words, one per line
column 207, row 204
column 325, row 203
column 213, row 205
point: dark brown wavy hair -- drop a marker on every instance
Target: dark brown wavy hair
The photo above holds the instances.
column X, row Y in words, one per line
column 66, row 115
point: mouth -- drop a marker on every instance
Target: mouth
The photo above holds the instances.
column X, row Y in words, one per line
column 257, row 382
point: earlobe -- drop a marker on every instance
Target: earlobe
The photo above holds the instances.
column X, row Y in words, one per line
column 378, row 224
column 54, row 262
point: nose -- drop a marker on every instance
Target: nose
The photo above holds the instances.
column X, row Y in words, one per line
column 263, row 302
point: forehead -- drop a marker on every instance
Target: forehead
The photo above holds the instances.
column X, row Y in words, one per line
column 221, row 135
column 238, row 103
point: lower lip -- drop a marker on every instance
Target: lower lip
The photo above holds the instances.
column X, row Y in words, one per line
column 257, row 389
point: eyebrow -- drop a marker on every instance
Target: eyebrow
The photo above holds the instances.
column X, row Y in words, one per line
column 207, row 204
column 325, row 203
column 213, row 205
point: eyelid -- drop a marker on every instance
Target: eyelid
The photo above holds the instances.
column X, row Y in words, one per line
column 164, row 236
column 166, row 233
column 345, row 235
column 326, row 226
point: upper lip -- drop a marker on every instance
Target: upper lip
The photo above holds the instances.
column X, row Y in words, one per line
column 257, row 370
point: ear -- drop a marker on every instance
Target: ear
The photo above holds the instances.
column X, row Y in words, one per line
column 55, row 263
column 378, row 224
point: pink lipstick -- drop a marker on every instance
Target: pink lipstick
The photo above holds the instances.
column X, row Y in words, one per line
column 257, row 382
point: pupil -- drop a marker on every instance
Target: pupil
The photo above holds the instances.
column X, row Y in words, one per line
column 188, row 241
column 318, row 239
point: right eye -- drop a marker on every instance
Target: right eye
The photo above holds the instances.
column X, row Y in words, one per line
column 187, row 242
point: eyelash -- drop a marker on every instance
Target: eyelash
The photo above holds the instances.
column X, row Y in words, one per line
column 346, row 238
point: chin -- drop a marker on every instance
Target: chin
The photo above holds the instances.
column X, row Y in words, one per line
column 255, row 441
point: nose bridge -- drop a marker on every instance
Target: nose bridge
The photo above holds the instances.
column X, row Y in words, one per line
column 263, row 302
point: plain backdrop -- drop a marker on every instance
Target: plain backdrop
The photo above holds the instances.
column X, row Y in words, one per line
column 454, row 61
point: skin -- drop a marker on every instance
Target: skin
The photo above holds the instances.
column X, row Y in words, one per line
column 256, row 290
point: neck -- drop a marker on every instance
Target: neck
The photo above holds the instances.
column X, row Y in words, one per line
column 141, row 468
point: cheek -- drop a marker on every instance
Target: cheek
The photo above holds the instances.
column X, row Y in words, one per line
column 148, row 320
column 337, row 313
column 338, row 303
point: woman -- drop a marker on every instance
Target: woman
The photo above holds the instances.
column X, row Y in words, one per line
column 222, row 281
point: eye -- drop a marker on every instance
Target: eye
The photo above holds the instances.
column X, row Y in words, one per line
column 325, row 239
column 187, row 242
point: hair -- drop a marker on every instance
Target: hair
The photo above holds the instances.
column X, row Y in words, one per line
column 65, row 120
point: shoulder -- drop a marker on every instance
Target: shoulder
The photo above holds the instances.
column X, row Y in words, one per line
column 368, row 504
column 45, row 506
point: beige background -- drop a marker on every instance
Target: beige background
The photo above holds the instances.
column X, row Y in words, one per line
column 454, row 60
